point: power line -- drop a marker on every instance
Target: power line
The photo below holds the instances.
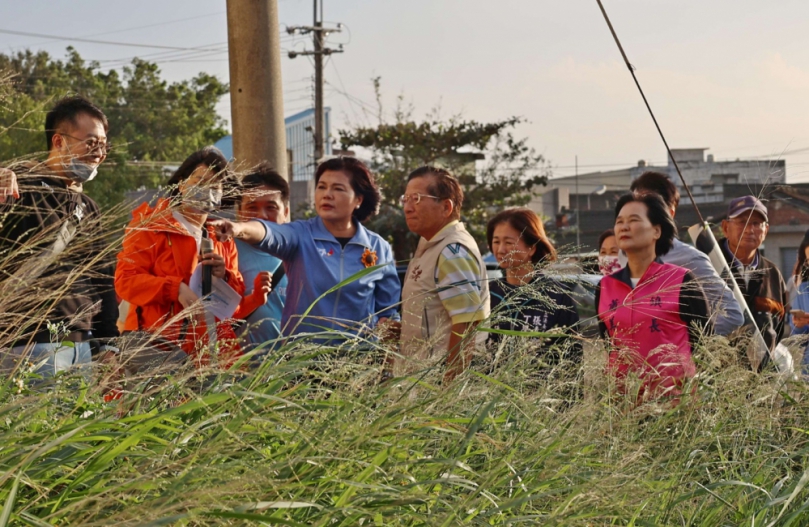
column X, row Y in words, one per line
column 299, row 107
column 716, row 159
column 165, row 54
column 305, row 88
column 600, row 165
column 365, row 105
column 92, row 41
column 320, row 50
column 340, row 79
column 182, row 59
column 166, row 23
column 165, row 57
column 784, row 153
column 216, row 46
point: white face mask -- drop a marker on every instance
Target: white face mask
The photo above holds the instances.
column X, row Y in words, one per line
column 81, row 172
column 608, row 264
column 202, row 198
column 78, row 170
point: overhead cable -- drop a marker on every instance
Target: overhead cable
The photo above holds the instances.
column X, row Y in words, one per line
column 93, row 41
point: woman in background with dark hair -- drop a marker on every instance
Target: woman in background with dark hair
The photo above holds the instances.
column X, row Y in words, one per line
column 322, row 252
column 799, row 314
column 653, row 313
column 526, row 299
column 161, row 251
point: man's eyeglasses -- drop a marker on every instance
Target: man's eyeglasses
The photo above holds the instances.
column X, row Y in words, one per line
column 92, row 144
column 416, row 198
column 750, row 224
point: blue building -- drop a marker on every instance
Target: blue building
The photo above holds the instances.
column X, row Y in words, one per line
column 300, row 152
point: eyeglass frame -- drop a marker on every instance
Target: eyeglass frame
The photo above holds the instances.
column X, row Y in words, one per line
column 404, row 198
column 745, row 223
column 104, row 150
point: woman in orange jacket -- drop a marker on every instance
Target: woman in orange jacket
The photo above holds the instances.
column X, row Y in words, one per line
column 161, row 250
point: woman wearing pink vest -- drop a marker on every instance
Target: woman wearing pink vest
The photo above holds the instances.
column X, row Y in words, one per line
column 652, row 313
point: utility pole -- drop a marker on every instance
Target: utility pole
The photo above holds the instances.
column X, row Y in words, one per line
column 319, row 33
column 256, row 91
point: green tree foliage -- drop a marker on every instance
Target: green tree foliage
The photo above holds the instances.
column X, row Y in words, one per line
column 495, row 169
column 152, row 121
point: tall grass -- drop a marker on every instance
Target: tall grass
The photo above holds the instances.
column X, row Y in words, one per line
column 313, row 440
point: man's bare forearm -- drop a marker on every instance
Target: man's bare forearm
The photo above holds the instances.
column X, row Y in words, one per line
column 459, row 352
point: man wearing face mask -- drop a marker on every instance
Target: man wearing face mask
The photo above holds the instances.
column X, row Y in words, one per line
column 58, row 274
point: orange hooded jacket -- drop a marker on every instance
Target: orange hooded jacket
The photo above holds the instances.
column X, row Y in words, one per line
column 158, row 254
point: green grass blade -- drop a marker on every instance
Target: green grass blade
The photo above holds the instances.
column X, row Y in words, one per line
column 8, row 506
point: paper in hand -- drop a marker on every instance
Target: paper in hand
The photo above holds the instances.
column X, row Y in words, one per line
column 223, row 300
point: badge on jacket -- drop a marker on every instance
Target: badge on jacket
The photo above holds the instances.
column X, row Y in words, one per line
column 78, row 212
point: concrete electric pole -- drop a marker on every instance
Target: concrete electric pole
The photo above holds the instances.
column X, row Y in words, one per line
column 318, row 36
column 256, row 91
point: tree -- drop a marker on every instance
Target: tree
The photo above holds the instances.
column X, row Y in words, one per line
column 152, row 122
column 495, row 169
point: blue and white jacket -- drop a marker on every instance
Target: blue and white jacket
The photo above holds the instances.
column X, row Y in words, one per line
column 316, row 262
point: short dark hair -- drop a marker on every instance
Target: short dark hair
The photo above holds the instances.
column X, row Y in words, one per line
column 658, row 214
column 265, row 175
column 527, row 223
column 208, row 156
column 660, row 184
column 362, row 182
column 67, row 109
column 604, row 235
column 444, row 186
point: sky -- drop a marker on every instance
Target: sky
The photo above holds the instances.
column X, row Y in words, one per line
column 729, row 75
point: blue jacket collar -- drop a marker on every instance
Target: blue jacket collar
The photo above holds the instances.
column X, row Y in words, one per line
column 320, row 232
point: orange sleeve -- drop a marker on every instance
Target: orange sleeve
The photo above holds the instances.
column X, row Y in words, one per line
column 249, row 302
column 135, row 280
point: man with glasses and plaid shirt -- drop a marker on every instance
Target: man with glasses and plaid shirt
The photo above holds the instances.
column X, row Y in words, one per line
column 56, row 259
column 446, row 292
column 758, row 278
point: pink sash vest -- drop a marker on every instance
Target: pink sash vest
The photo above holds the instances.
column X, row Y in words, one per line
column 649, row 337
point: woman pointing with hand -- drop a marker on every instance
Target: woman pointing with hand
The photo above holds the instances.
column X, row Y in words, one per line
column 322, row 252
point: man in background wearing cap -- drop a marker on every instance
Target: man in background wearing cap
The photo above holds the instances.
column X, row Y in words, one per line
column 758, row 278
